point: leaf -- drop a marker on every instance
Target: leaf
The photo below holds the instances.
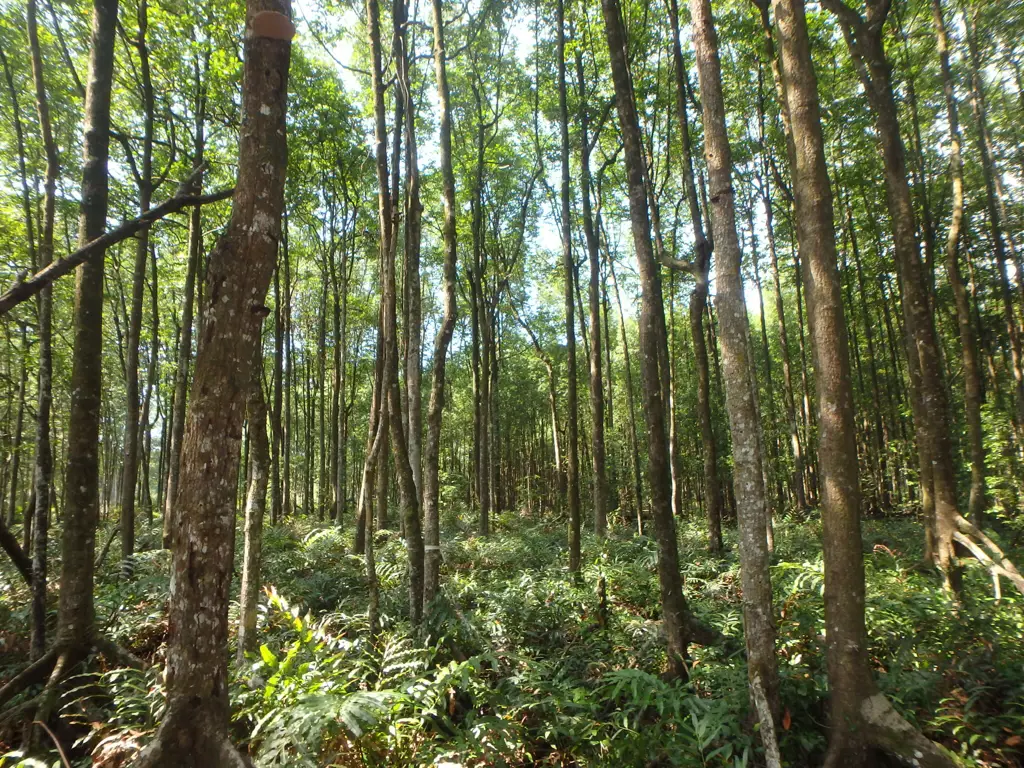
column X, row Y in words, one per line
column 268, row 657
column 787, row 720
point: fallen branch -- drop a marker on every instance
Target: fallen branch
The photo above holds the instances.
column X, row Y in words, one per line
column 994, row 568
column 24, row 289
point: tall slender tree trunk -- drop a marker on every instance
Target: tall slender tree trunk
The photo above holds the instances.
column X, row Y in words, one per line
column 973, row 388
column 255, row 506
column 76, row 614
column 748, row 480
column 195, row 255
column 994, row 204
column 698, row 299
column 597, row 409
column 413, row 235
column 860, row 715
column 569, row 274
column 865, row 40
column 193, row 731
column 435, row 412
column 674, row 609
column 634, row 450
column 130, row 466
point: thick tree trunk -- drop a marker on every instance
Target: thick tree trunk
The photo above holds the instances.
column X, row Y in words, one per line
column 748, row 480
column 860, row 715
column 673, row 603
column 194, row 729
column 430, row 486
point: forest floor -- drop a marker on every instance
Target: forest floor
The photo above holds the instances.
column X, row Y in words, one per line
column 519, row 664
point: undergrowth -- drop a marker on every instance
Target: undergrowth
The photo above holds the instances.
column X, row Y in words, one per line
column 520, row 664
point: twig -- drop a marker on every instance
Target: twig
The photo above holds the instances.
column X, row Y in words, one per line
column 60, row 749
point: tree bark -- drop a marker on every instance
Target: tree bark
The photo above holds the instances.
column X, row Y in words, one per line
column 194, row 729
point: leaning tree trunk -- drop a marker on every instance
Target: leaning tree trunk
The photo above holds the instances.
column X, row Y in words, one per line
column 860, row 714
column 430, row 487
column 748, row 480
column 194, row 729
column 673, row 603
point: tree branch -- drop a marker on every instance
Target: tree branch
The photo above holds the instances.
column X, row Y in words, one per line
column 26, row 289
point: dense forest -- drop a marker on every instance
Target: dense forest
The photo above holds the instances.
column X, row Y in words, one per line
column 512, row 383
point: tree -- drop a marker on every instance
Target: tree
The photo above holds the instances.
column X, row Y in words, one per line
column 435, row 412
column 193, row 731
column 860, row 714
column 748, row 480
column 674, row 608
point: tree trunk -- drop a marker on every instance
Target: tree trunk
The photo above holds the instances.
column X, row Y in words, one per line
column 860, row 715
column 194, row 729
column 255, row 507
column 994, row 206
column 698, row 300
column 673, row 603
column 181, row 377
column 144, row 179
column 631, row 407
column 569, row 274
column 748, row 480
column 864, row 38
column 431, row 490
column 44, row 452
column 597, row 409
column 76, row 613
column 973, row 389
